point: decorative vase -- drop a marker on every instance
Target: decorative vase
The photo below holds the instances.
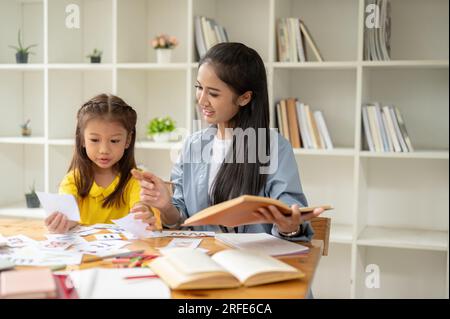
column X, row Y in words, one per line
column 163, row 55
column 96, row 59
column 22, row 57
column 161, row 137
column 32, row 200
column 26, row 131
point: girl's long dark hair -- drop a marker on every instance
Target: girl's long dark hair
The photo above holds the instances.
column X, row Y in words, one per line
column 242, row 69
column 114, row 109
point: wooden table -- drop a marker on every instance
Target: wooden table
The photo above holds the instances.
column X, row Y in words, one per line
column 292, row 289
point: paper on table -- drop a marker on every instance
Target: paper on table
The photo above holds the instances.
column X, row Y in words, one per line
column 135, row 226
column 110, row 284
column 64, row 203
column 183, row 243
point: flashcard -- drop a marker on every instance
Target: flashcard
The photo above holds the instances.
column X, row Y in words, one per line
column 19, row 241
column 184, row 243
column 108, row 237
column 64, row 203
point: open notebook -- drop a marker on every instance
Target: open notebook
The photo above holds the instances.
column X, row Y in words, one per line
column 184, row 268
column 262, row 243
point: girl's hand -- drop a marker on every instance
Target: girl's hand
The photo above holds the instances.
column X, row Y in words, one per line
column 286, row 224
column 57, row 223
column 154, row 192
column 145, row 214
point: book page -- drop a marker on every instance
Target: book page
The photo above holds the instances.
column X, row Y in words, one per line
column 244, row 264
column 191, row 261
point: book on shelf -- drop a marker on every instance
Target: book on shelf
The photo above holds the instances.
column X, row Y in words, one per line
column 302, row 126
column 240, row 211
column 377, row 31
column 184, row 268
column 293, row 123
column 292, row 36
column 262, row 243
column 207, row 33
column 384, row 129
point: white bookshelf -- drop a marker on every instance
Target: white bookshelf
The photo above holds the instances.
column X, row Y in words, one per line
column 391, row 209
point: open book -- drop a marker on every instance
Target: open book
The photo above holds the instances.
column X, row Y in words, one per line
column 184, row 268
column 239, row 211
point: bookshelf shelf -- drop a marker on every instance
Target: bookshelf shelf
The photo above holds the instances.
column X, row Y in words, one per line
column 341, row 234
column 404, row 238
column 19, row 210
column 316, row 65
column 22, row 140
column 334, row 152
column 431, row 64
column 439, row 155
column 381, row 196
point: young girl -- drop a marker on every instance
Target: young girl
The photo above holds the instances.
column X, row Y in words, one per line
column 100, row 173
column 219, row 163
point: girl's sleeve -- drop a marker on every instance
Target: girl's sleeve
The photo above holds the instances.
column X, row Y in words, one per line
column 284, row 184
column 67, row 186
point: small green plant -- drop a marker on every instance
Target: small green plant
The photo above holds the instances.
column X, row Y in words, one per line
column 21, row 51
column 160, row 125
column 26, row 129
column 95, row 54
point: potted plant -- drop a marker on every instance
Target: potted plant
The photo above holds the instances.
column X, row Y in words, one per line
column 22, row 52
column 163, row 44
column 26, row 129
column 160, row 129
column 32, row 198
column 95, row 56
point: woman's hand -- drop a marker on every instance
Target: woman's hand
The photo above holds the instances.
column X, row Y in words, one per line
column 286, row 224
column 154, row 192
column 144, row 213
column 57, row 223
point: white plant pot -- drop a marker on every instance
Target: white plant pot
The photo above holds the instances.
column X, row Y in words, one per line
column 161, row 137
column 163, row 55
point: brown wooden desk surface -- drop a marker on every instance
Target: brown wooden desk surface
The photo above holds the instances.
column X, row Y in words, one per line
column 287, row 290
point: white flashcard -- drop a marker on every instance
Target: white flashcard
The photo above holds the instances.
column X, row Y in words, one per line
column 19, row 241
column 184, row 243
column 63, row 203
column 135, row 226
column 108, row 237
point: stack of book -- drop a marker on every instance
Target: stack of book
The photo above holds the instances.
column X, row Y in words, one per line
column 301, row 126
column 292, row 36
column 384, row 129
column 207, row 34
column 377, row 31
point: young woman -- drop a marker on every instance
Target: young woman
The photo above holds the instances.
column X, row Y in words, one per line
column 233, row 156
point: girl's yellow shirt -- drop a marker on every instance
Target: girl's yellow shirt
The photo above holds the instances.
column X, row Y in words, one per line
column 91, row 210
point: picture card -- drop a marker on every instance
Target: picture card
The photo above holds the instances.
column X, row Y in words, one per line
column 63, row 203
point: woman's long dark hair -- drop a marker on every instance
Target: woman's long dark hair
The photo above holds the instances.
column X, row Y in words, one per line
column 114, row 109
column 242, row 69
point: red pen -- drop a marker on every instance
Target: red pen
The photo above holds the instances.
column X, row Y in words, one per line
column 142, row 277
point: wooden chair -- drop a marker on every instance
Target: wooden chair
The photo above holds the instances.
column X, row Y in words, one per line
column 322, row 226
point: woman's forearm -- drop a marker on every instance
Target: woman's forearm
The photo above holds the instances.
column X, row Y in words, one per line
column 170, row 215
